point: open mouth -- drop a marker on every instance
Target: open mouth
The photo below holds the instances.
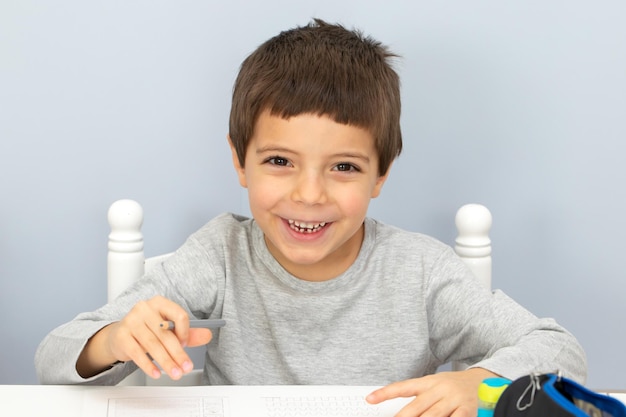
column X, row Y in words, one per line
column 305, row 227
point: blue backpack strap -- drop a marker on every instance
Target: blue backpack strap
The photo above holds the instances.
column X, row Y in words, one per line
column 592, row 403
column 555, row 396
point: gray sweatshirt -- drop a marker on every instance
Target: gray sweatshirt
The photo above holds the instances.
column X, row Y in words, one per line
column 406, row 306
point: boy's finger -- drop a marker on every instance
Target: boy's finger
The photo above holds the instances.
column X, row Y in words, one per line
column 156, row 344
column 199, row 337
column 169, row 353
column 395, row 390
column 138, row 355
column 170, row 311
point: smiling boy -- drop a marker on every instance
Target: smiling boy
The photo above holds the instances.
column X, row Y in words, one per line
column 314, row 291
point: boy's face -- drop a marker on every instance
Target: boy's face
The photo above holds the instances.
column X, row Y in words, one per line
column 310, row 181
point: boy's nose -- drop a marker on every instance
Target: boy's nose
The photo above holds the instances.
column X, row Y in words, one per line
column 309, row 189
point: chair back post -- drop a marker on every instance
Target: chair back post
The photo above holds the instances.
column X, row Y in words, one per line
column 125, row 260
column 473, row 223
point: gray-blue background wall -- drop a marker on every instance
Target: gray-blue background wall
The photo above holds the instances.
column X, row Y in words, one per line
column 520, row 106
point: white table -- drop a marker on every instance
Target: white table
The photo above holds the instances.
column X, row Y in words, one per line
column 41, row 400
column 78, row 401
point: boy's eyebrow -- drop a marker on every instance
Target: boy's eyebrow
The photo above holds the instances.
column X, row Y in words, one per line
column 350, row 155
column 279, row 149
column 265, row 149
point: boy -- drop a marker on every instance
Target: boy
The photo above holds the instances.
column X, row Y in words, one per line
column 312, row 290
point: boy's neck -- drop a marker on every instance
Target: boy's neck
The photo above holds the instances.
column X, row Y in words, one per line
column 333, row 265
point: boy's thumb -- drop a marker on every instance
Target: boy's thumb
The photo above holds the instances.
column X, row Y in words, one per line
column 198, row 337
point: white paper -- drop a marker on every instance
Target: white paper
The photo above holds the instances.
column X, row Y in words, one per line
column 236, row 401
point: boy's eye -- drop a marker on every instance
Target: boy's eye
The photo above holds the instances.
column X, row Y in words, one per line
column 277, row 160
column 346, row 167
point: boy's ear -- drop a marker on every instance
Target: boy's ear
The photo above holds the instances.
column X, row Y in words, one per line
column 380, row 181
column 241, row 173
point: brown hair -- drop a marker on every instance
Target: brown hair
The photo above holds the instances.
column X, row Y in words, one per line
column 323, row 69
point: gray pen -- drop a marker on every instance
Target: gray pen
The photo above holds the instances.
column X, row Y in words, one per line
column 196, row 324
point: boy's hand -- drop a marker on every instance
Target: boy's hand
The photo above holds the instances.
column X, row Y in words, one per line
column 139, row 337
column 439, row 395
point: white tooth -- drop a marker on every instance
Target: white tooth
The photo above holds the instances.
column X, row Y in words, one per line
column 306, row 227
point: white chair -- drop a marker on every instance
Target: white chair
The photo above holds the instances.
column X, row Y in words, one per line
column 472, row 244
column 125, row 264
column 126, row 261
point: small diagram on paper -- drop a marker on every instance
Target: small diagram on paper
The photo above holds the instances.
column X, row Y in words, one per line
column 327, row 406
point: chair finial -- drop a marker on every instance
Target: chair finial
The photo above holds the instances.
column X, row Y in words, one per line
column 473, row 222
column 125, row 215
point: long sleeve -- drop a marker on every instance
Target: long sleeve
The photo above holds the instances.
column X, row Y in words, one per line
column 488, row 329
column 56, row 356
